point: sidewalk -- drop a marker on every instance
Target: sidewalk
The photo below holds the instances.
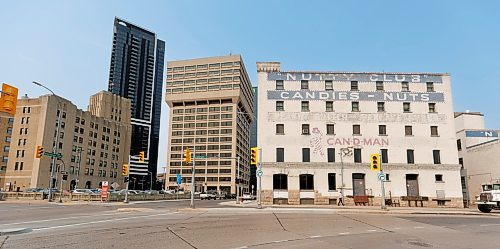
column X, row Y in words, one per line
column 364, row 209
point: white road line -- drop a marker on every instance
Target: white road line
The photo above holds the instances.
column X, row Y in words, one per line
column 279, row 241
column 418, row 227
column 315, row 236
column 487, row 225
column 241, row 247
column 346, row 233
column 371, row 230
column 99, row 221
column 65, row 218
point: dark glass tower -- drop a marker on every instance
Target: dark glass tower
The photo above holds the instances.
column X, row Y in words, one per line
column 136, row 72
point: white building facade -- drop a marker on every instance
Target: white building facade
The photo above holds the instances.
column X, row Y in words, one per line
column 478, row 150
column 318, row 129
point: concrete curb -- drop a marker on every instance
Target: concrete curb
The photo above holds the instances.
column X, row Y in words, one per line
column 12, row 231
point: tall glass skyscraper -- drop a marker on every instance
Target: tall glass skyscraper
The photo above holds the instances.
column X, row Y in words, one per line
column 136, row 72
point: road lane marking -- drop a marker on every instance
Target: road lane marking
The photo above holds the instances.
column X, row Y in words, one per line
column 346, row 233
column 65, row 218
column 371, row 230
column 487, row 225
column 418, row 227
column 99, row 221
column 315, row 236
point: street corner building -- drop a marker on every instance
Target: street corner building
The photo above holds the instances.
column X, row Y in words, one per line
column 94, row 143
column 317, row 131
column 211, row 109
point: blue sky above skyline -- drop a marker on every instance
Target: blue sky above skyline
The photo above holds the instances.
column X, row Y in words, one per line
column 67, row 44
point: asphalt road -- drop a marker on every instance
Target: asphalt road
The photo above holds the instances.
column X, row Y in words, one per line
column 172, row 225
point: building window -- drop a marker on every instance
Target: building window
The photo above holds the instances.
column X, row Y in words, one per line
column 356, row 129
column 409, row 157
column 387, row 179
column 305, row 129
column 355, row 106
column 437, row 156
column 385, row 157
column 16, row 166
column 280, row 106
column 438, row 177
column 354, row 86
column 434, row 131
column 382, row 130
column 305, row 106
column 380, row 85
column 306, row 182
column 331, row 155
column 304, row 84
column 332, row 184
column 280, row 155
column 328, row 85
column 408, row 130
column 306, row 155
column 280, row 129
column 280, row 85
column 381, row 106
column 9, row 130
column 459, row 144
column 406, row 107
column 357, row 155
column 329, row 106
column 405, row 87
column 432, row 107
column 6, row 149
column 461, row 162
column 330, row 129
column 430, row 86
column 280, row 182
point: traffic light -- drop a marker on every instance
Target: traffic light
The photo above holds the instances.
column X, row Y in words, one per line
column 141, row 156
column 375, row 162
column 254, row 155
column 125, row 170
column 8, row 100
column 187, row 156
column 39, row 152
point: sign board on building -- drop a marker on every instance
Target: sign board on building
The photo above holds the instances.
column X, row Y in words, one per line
column 362, row 77
column 355, row 96
column 481, row 133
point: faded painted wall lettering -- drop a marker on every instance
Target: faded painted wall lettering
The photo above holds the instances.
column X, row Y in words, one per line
column 355, row 96
column 434, row 118
column 363, row 77
column 362, row 141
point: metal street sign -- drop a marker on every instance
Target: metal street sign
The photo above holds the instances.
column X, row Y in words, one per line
column 64, row 172
column 381, row 176
column 58, row 155
column 259, row 172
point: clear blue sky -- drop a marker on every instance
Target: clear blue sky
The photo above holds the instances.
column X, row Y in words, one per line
column 66, row 44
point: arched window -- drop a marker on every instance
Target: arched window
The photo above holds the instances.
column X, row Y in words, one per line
column 306, row 182
column 280, row 182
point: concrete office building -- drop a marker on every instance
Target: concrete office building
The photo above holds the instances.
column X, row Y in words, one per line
column 211, row 109
column 6, row 122
column 136, row 73
column 318, row 129
column 478, row 150
column 94, row 143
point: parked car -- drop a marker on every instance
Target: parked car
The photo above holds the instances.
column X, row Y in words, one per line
column 208, row 196
column 248, row 196
column 32, row 190
column 151, row 192
column 81, row 191
column 169, row 192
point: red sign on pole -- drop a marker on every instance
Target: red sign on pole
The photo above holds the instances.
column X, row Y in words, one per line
column 104, row 190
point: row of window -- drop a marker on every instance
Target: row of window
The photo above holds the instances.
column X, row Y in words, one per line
column 356, row 130
column 203, row 109
column 204, row 163
column 204, row 88
column 306, row 181
column 203, row 66
column 306, row 155
column 355, row 106
column 202, row 117
column 379, row 85
column 201, row 179
column 200, row 171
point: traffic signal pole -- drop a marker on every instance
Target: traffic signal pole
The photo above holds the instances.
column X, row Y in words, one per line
column 382, row 184
column 193, row 158
column 126, row 187
column 259, row 181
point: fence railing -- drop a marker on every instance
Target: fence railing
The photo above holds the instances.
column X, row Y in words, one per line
column 93, row 197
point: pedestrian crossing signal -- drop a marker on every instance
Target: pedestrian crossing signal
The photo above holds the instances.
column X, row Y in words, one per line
column 39, row 152
column 254, row 156
column 375, row 162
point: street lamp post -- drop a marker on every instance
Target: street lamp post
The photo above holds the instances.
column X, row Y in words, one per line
column 239, row 180
column 54, row 148
column 78, row 168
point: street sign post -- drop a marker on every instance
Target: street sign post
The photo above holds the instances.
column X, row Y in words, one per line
column 259, row 172
column 53, row 155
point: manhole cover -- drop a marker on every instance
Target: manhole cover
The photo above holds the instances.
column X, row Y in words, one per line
column 419, row 243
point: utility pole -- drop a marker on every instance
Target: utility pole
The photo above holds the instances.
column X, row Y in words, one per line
column 192, row 177
column 259, row 181
column 127, row 183
column 347, row 151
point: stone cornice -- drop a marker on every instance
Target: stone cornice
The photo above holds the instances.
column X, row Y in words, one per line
column 361, row 166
